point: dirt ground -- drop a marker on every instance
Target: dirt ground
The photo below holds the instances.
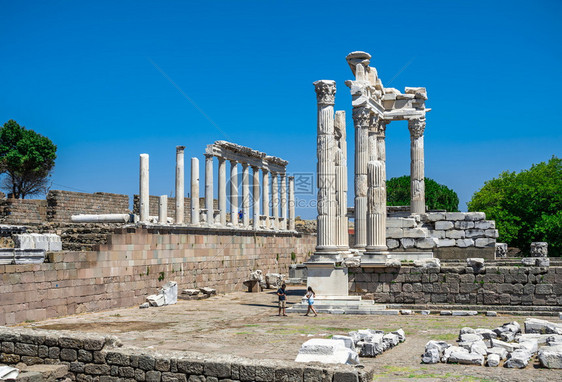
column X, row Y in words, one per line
column 247, row 325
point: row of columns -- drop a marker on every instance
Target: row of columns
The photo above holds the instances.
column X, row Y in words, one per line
column 278, row 200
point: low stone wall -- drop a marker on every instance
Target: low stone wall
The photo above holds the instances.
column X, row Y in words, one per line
column 154, row 202
column 63, row 204
column 23, row 211
column 91, row 357
column 136, row 262
column 459, row 284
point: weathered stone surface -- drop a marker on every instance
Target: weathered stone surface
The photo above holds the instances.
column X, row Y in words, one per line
column 484, row 242
column 428, row 263
column 493, row 360
column 455, row 216
column 448, row 351
column 475, row 262
column 444, row 225
column 534, row 325
column 551, row 357
column 431, row 356
column 446, row 242
column 326, row 351
column 426, row 243
column 539, row 249
column 463, row 243
column 518, row 359
column 500, row 352
column 466, row 358
column 501, row 250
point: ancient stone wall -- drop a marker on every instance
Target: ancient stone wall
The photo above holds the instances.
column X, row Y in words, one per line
column 61, row 205
column 93, row 357
column 155, row 200
column 136, row 262
column 23, row 211
column 459, row 284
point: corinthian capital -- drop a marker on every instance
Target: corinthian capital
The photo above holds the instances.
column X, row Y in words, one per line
column 416, row 127
column 325, row 92
column 361, row 117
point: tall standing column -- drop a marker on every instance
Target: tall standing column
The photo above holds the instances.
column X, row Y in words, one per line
column 222, row 191
column 234, row 192
column 325, row 96
column 245, row 195
column 256, row 196
column 342, row 235
column 417, row 180
column 283, row 201
column 209, row 189
column 275, row 197
column 361, row 118
column 291, row 203
column 163, row 209
column 265, row 197
column 376, row 196
column 180, row 181
column 143, row 192
column 194, row 191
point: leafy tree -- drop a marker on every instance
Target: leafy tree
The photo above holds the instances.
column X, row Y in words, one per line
column 26, row 158
column 526, row 206
column 437, row 196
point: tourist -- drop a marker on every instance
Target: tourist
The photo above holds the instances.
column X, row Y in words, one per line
column 240, row 214
column 282, row 299
column 310, row 300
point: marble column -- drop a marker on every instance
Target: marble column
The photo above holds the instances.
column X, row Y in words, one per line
column 417, row 180
column 283, row 222
column 256, row 196
column 376, row 195
column 180, row 181
column 222, row 191
column 163, row 209
column 265, row 197
column 275, row 197
column 326, row 223
column 291, row 203
column 342, row 234
column 209, row 189
column 234, row 192
column 361, row 120
column 245, row 195
column 143, row 192
column 195, row 191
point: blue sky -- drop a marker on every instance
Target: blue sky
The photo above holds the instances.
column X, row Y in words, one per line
column 109, row 80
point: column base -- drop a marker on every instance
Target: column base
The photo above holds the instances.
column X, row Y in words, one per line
column 326, row 279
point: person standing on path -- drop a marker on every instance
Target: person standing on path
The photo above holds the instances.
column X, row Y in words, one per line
column 282, row 299
column 310, row 300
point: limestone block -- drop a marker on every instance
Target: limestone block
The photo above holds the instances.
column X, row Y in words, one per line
column 156, row 300
column 55, row 242
column 448, row 351
column 415, row 232
column 408, row 243
column 10, row 373
column 473, row 233
column 486, row 333
column 394, row 233
column 500, row 352
column 40, row 241
column 425, row 312
column 208, row 291
column 464, row 224
column 466, row 358
column 170, row 292
column 446, row 313
column 529, row 261
column 475, row 216
column 326, row 351
column 144, row 305
column 470, row 337
column 510, row 347
column 28, row 256
column 438, row 234
column 518, row 359
column 371, row 349
column 446, row 242
column 539, row 249
column 401, row 335
column 440, row 346
column 534, row 325
column 532, row 346
column 401, row 222
column 355, row 261
column 428, row 263
column 475, row 262
column 455, row 234
column 491, row 233
column 444, row 225
column 491, row 313
column 484, row 242
column 493, row 360
column 392, row 263
column 551, row 357
column 466, row 330
column 463, row 243
column 455, row 216
column 274, row 280
column 431, row 356
column 24, row 241
column 485, row 224
column 543, row 262
column 392, row 243
column 6, row 256
column 435, row 216
column 191, row 292
column 391, row 339
column 479, row 347
column 501, row 250
column 346, row 339
column 426, row 243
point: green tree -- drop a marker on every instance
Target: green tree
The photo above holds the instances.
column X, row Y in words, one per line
column 437, row 196
column 26, row 158
column 527, row 206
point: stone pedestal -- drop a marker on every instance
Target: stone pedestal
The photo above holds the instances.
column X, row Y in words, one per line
column 180, row 182
column 143, row 188
column 209, row 189
column 417, row 180
column 194, row 191
column 327, row 280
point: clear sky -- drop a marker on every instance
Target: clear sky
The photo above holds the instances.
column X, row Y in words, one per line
column 108, row 80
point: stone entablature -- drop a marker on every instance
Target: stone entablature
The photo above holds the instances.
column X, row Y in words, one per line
column 241, row 154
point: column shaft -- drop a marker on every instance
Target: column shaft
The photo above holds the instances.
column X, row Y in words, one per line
column 245, row 195
column 376, row 208
column 265, row 197
column 163, row 209
column 361, row 117
column 180, row 182
column 222, row 191
column 209, row 189
column 275, row 196
column 234, row 192
column 195, row 191
column 417, row 180
column 342, row 235
column 291, row 203
column 283, row 201
column 256, row 197
column 143, row 192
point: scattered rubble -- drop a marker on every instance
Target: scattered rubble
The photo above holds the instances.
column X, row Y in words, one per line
column 505, row 343
column 168, row 295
